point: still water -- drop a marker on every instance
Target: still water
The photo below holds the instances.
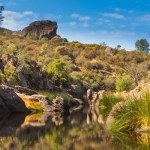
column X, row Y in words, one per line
column 56, row 132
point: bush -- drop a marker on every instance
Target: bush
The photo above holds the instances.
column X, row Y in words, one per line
column 58, row 73
column 124, row 83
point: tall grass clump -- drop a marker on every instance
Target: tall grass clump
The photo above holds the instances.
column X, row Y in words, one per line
column 108, row 101
column 133, row 115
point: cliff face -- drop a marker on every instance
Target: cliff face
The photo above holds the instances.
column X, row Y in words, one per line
column 39, row 29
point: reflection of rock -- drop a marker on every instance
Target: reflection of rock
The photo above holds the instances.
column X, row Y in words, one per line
column 93, row 114
column 58, row 119
column 77, row 115
column 76, row 91
column 10, row 122
column 10, row 101
column 58, row 104
column 37, row 120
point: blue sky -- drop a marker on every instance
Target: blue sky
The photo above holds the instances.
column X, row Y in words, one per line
column 88, row 21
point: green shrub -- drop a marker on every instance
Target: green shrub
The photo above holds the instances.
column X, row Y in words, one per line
column 124, row 83
column 58, row 73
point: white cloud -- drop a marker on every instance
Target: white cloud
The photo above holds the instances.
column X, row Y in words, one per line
column 103, row 21
column 122, row 33
column 85, row 25
column 12, row 4
column 75, row 15
column 53, row 17
column 113, row 15
column 72, row 24
column 144, row 17
column 81, row 18
column 117, row 9
column 84, row 18
column 16, row 20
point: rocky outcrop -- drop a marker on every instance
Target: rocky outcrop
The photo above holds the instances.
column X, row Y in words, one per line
column 24, row 90
column 39, row 29
column 109, row 51
column 10, row 101
column 94, row 97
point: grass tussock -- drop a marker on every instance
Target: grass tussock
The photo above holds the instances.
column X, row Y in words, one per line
column 133, row 115
column 107, row 103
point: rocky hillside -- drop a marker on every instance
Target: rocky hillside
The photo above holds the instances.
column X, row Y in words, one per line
column 56, row 64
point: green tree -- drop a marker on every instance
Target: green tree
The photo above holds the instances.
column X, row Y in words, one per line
column 58, row 73
column 118, row 47
column 1, row 17
column 142, row 46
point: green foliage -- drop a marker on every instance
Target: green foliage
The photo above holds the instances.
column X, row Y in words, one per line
column 32, row 37
column 92, row 65
column 58, row 73
column 142, row 45
column 44, row 39
column 133, row 115
column 124, row 83
column 108, row 101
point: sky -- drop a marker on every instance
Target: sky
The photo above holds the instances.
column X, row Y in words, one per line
column 116, row 22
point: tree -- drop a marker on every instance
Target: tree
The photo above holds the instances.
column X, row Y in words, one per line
column 103, row 43
column 142, row 46
column 58, row 73
column 1, row 17
column 118, row 47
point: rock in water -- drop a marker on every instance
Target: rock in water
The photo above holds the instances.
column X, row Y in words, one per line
column 10, row 101
column 38, row 30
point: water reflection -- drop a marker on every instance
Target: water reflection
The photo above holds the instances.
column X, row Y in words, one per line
column 57, row 132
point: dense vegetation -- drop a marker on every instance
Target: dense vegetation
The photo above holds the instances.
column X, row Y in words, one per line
column 63, row 63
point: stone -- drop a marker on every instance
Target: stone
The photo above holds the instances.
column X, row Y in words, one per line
column 24, row 90
column 110, row 51
column 39, row 29
column 10, row 101
column 44, row 102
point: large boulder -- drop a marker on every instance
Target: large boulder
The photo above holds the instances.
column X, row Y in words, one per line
column 39, row 29
column 10, row 101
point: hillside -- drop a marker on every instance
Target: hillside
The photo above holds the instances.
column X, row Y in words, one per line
column 47, row 64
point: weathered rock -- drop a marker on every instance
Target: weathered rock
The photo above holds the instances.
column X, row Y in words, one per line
column 24, row 90
column 39, row 29
column 110, row 51
column 44, row 102
column 10, row 101
column 76, row 91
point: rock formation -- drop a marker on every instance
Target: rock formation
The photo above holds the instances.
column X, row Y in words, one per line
column 10, row 101
column 39, row 30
